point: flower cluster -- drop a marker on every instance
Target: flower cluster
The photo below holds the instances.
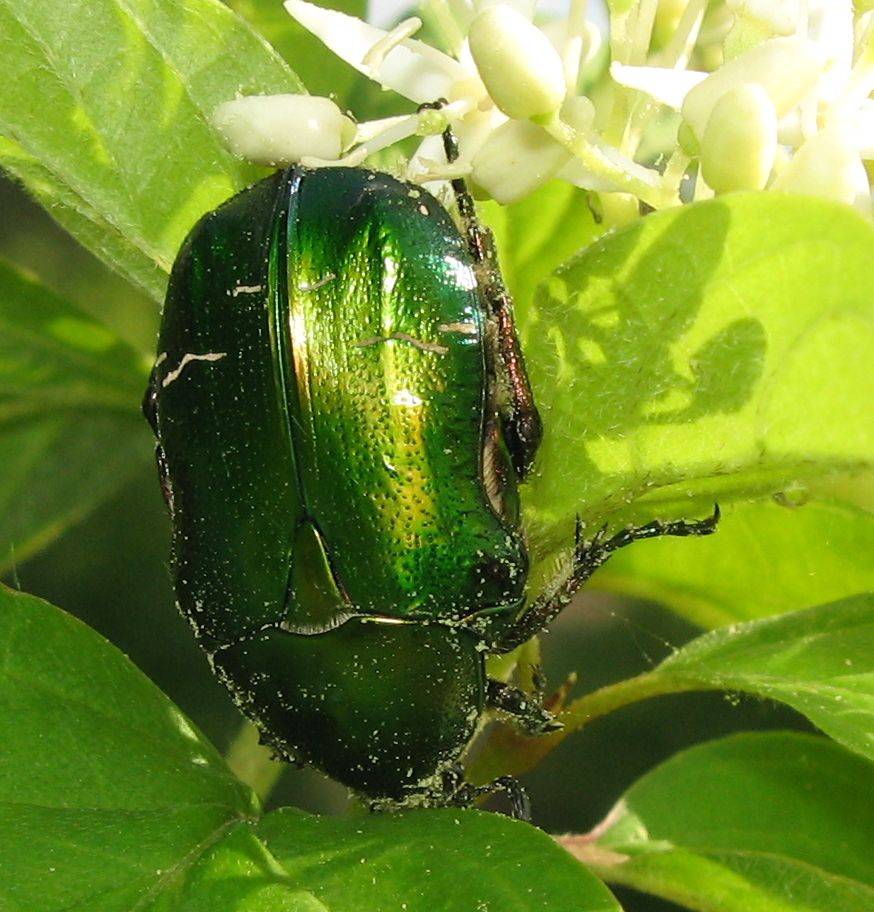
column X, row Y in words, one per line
column 778, row 97
column 789, row 107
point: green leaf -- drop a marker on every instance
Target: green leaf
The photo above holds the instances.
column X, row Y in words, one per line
column 108, row 795
column 764, row 560
column 70, row 428
column 425, row 860
column 106, row 112
column 718, row 351
column 754, row 823
column 110, row 800
column 83, row 221
column 237, row 874
column 820, row 662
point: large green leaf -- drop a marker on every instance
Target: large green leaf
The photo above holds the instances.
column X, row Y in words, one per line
column 820, row 662
column 718, row 351
column 84, row 221
column 70, row 428
column 535, row 235
column 105, row 110
column 107, row 793
column 753, row 823
column 421, row 861
column 110, row 800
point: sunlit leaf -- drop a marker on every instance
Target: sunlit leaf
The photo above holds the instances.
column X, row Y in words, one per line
column 820, row 662
column 716, row 352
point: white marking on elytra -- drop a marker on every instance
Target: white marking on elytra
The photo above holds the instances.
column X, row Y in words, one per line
column 305, row 287
column 466, row 329
column 246, row 289
column 403, row 337
column 187, row 358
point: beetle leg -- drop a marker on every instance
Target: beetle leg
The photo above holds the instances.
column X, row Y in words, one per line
column 150, row 403
column 464, row 794
column 588, row 557
column 520, row 420
column 524, row 709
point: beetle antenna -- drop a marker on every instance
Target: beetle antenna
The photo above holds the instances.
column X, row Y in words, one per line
column 478, row 244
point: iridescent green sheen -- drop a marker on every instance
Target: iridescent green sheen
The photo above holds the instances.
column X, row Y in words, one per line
column 382, row 708
column 222, row 422
column 341, row 494
column 387, row 394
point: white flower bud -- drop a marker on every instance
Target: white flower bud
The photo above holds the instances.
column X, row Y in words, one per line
column 526, row 7
column 282, row 129
column 520, row 68
column 786, row 68
column 740, row 140
column 515, row 160
column 828, row 165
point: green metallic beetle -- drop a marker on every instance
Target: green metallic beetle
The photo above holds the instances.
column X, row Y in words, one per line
column 343, row 417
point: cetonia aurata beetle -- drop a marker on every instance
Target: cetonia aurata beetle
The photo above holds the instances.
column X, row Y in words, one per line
column 343, row 417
